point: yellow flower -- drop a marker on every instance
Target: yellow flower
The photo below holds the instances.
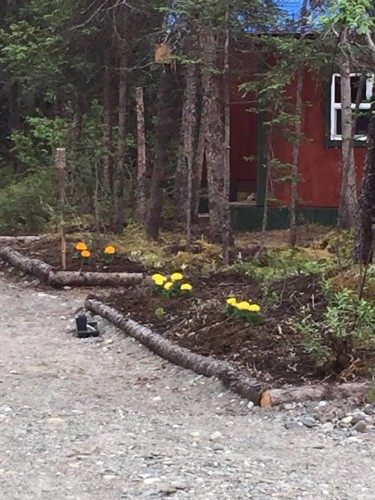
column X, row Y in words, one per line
column 254, row 308
column 243, row 306
column 85, row 254
column 232, row 301
column 110, row 250
column 159, row 279
column 168, row 285
column 186, row 287
column 81, row 246
column 176, row 277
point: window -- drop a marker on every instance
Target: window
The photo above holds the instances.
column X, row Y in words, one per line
column 364, row 108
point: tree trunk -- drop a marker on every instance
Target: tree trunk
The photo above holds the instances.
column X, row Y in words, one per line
column 162, row 134
column 188, row 144
column 141, row 209
column 348, row 207
column 295, row 160
column 119, row 208
column 183, row 189
column 15, row 122
column 365, row 234
column 75, row 278
column 319, row 392
column 33, row 266
column 214, row 139
column 226, row 164
column 198, row 166
column 107, row 127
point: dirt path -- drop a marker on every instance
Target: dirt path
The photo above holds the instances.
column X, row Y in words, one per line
column 84, row 420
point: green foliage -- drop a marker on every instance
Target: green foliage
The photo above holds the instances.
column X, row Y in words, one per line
column 28, row 203
column 159, row 313
column 279, row 264
column 346, row 320
column 35, row 145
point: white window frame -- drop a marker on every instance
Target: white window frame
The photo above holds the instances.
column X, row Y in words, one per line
column 337, row 106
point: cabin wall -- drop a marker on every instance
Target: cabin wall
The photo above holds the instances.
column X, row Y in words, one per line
column 320, row 164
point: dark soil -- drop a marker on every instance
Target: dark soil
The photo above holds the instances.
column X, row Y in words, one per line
column 271, row 351
column 49, row 250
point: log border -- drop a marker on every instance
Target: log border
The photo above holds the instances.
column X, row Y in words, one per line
column 231, row 378
column 57, row 279
column 259, row 392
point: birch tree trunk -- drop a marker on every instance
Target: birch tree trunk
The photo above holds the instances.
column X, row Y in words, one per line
column 188, row 145
column 119, row 209
column 162, row 135
column 107, row 126
column 141, row 209
column 214, row 137
column 348, row 207
column 295, row 160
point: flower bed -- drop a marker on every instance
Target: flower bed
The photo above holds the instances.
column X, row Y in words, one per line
column 270, row 350
column 88, row 257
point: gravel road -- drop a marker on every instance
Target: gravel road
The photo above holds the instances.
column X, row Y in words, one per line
column 108, row 420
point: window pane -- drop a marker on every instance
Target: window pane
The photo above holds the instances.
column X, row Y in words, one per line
column 362, row 123
column 361, row 126
column 337, row 90
column 354, row 84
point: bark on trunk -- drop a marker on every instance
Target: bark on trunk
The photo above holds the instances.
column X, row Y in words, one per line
column 348, row 208
column 15, row 122
column 203, row 365
column 198, row 167
column 36, row 267
column 107, row 126
column 295, row 160
column 119, row 209
column 214, row 136
column 226, row 164
column 141, row 209
column 365, row 234
column 75, row 278
column 162, row 134
column 321, row 392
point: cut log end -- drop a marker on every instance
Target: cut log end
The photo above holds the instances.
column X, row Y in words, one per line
column 316, row 392
column 265, row 400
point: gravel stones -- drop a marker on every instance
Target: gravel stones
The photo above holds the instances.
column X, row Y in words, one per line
column 79, row 422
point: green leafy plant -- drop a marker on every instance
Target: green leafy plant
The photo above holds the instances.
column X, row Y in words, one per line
column 159, row 313
column 346, row 321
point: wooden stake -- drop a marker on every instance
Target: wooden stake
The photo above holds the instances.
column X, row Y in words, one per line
column 61, row 169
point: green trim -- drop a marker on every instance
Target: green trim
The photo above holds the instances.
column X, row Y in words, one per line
column 261, row 158
column 249, row 218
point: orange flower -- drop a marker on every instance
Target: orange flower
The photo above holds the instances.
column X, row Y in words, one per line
column 110, row 250
column 86, row 254
column 81, row 246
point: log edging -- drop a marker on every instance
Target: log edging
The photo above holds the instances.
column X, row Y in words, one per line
column 46, row 273
column 260, row 393
column 231, row 378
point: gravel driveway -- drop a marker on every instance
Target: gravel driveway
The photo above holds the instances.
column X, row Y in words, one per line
column 108, row 420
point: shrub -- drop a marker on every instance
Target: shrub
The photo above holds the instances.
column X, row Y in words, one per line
column 27, row 204
column 348, row 321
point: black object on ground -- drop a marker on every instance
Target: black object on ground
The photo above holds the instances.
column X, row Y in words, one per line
column 86, row 329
